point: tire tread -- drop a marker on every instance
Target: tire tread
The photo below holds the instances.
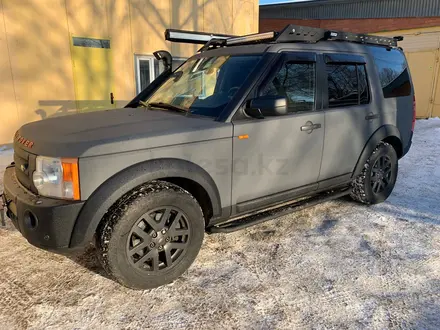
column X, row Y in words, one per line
column 358, row 184
column 117, row 211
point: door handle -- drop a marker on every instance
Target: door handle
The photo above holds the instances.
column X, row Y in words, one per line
column 309, row 127
column 371, row 116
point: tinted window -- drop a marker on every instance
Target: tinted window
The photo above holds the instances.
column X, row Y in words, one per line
column 393, row 72
column 347, row 85
column 295, row 81
column 364, row 91
column 342, row 85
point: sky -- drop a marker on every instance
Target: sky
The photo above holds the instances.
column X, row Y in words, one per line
column 265, row 2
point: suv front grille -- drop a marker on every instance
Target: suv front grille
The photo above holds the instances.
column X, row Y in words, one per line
column 24, row 167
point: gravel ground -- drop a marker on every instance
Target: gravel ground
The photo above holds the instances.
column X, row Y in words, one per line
column 337, row 265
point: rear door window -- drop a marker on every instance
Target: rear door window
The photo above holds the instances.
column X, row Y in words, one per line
column 393, row 71
column 347, row 85
column 342, row 85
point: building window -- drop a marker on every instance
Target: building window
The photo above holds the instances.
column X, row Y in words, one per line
column 177, row 62
column 90, row 42
column 148, row 68
column 145, row 71
column 347, row 85
column 295, row 81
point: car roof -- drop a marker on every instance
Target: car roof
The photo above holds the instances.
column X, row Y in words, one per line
column 236, row 50
column 322, row 46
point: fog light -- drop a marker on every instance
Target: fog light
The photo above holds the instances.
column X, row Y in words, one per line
column 30, row 220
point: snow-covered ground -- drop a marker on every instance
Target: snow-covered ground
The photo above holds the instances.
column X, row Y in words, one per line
column 337, row 265
column 6, row 155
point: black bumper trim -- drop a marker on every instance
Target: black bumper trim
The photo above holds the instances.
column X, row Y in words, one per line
column 54, row 220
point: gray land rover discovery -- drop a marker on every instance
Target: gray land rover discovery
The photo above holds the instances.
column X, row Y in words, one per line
column 248, row 129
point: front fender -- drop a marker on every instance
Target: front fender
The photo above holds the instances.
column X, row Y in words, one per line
column 385, row 131
column 121, row 183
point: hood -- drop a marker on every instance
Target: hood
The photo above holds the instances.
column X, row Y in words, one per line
column 115, row 131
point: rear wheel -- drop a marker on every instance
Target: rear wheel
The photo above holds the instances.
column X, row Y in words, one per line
column 151, row 236
column 378, row 178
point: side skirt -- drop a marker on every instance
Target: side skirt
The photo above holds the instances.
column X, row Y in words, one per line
column 275, row 212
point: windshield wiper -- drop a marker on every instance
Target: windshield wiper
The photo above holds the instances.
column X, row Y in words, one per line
column 165, row 106
column 142, row 103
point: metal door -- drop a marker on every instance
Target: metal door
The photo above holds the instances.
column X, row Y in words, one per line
column 277, row 154
column 92, row 68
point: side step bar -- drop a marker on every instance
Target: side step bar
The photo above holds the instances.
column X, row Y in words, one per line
column 255, row 219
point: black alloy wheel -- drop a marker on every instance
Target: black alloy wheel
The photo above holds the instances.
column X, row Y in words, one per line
column 151, row 236
column 158, row 239
column 378, row 177
column 381, row 174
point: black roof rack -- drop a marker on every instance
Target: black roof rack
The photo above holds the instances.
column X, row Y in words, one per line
column 297, row 33
column 291, row 33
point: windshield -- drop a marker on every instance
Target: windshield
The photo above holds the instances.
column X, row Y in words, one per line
column 204, row 86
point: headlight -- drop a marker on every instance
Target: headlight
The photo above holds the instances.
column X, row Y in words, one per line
column 57, row 177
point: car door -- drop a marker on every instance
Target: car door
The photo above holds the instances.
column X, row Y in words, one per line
column 350, row 118
column 279, row 157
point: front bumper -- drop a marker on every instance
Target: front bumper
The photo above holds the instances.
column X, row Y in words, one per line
column 45, row 222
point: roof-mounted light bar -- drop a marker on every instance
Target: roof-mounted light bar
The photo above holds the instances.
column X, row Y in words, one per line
column 251, row 38
column 191, row 37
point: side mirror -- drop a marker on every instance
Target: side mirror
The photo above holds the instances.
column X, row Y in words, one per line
column 267, row 106
column 165, row 57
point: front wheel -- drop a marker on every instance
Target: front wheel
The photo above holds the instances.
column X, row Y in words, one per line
column 151, row 236
column 378, row 178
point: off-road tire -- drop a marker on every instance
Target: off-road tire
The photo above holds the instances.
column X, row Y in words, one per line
column 116, row 230
column 362, row 189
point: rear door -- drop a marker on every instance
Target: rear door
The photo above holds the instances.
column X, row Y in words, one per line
column 350, row 118
column 275, row 155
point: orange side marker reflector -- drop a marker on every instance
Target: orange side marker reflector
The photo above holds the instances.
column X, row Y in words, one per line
column 243, row 137
column 71, row 174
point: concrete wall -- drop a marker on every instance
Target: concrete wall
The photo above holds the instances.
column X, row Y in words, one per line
column 36, row 74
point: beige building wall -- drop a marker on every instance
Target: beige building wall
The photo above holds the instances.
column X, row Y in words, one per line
column 36, row 70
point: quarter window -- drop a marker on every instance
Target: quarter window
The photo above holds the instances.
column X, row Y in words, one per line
column 347, row 85
column 296, row 82
column 393, row 72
